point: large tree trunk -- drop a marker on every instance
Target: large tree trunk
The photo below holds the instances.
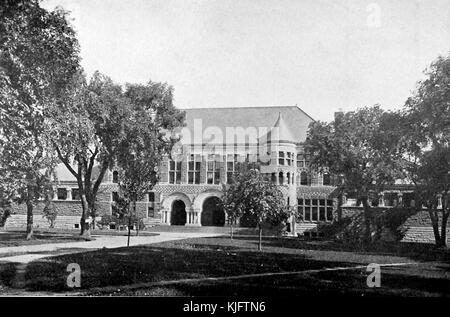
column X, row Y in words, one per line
column 260, row 238
column 137, row 218
column 367, row 230
column 339, row 206
column 85, row 226
column 29, row 202
column 435, row 224
column 443, row 242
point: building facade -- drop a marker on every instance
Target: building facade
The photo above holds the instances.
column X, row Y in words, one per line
column 213, row 144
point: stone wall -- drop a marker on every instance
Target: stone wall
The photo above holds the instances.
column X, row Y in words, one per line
column 417, row 227
column 62, row 222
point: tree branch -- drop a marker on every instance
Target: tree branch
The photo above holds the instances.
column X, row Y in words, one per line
column 66, row 162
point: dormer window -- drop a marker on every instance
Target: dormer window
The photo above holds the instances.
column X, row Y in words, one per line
column 303, row 178
column 115, row 177
column 326, row 179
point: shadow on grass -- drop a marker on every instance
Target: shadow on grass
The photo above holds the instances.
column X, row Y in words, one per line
column 17, row 238
column 144, row 264
column 218, row 257
column 413, row 251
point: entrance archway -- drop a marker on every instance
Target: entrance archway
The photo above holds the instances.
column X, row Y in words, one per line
column 178, row 214
column 212, row 212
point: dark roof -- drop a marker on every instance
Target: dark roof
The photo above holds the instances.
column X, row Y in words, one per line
column 297, row 120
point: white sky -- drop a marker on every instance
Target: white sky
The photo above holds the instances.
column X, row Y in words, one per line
column 319, row 54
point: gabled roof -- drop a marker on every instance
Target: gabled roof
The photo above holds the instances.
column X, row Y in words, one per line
column 294, row 120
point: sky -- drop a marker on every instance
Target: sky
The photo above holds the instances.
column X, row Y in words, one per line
column 321, row 55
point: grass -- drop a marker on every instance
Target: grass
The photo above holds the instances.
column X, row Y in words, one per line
column 17, row 238
column 161, row 269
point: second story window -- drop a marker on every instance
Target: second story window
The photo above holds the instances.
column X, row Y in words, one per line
column 174, row 172
column 75, row 194
column 289, row 158
column 231, row 167
column 326, row 179
column 115, row 177
column 280, row 158
column 303, row 178
column 300, row 160
column 213, row 171
column 194, row 169
column 62, row 193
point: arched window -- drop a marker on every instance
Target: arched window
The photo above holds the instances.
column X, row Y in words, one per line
column 303, row 178
column 281, row 178
column 326, row 179
column 288, row 178
column 115, row 177
column 274, row 178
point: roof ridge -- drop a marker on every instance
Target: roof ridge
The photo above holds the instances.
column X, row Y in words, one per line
column 241, row 107
column 296, row 106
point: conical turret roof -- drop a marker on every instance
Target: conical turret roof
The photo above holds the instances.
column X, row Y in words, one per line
column 279, row 132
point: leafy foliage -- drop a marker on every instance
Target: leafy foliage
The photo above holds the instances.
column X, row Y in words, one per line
column 256, row 197
column 425, row 131
column 360, row 148
column 38, row 56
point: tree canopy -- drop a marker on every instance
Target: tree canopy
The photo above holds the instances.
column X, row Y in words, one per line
column 38, row 57
column 252, row 193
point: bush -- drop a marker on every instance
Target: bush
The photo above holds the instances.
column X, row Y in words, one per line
column 384, row 223
column 120, row 221
column 50, row 213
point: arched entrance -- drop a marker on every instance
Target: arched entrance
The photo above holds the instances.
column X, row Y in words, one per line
column 212, row 212
column 178, row 214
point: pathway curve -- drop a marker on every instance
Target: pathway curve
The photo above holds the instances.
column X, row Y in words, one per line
column 28, row 253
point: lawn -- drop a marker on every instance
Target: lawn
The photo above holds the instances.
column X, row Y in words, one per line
column 14, row 238
column 214, row 266
column 17, row 238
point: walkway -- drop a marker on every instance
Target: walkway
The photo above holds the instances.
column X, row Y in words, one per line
column 28, row 253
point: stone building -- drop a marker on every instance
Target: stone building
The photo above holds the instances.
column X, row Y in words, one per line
column 213, row 143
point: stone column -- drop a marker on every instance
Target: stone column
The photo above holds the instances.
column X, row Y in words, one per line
column 166, row 216
column 277, row 178
column 192, row 218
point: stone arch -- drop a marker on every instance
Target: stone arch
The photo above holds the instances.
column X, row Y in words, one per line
column 212, row 215
column 198, row 201
column 212, row 212
column 176, row 202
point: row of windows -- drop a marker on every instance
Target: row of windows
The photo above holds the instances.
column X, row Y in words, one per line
column 194, row 166
column 285, row 158
column 316, row 209
column 62, row 193
column 304, row 180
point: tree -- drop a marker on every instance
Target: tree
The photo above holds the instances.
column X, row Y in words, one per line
column 96, row 126
column 149, row 139
column 359, row 148
column 425, row 131
column 38, row 54
column 49, row 212
column 254, row 194
column 86, row 130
